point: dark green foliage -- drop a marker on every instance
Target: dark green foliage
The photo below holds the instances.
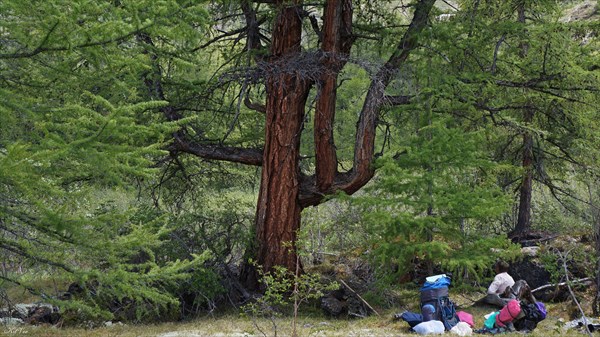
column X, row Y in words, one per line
column 527, row 76
column 430, row 200
column 68, row 192
column 80, row 137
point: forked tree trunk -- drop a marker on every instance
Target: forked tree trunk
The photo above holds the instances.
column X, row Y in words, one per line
column 288, row 78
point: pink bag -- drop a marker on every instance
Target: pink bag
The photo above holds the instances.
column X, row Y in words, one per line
column 465, row 317
column 510, row 311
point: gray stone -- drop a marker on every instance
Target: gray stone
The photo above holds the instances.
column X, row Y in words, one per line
column 333, row 306
column 530, row 251
column 10, row 321
column 22, row 310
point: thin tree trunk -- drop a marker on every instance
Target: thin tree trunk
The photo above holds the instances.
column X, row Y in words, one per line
column 523, row 225
column 595, row 213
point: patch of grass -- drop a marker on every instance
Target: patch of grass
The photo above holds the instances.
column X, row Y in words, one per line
column 236, row 326
column 311, row 322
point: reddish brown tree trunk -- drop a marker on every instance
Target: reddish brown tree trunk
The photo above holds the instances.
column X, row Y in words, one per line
column 283, row 190
column 278, row 209
column 287, row 86
column 337, row 41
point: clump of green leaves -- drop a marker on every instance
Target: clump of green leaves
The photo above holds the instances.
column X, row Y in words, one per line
column 566, row 252
column 284, row 289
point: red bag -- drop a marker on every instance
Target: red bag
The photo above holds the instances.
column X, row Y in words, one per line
column 508, row 314
column 465, row 317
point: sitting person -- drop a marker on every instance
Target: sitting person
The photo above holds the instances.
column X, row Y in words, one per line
column 499, row 290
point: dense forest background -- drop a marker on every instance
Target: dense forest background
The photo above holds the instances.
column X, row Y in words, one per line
column 159, row 158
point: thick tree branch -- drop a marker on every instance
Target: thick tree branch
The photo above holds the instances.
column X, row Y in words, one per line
column 254, row 106
column 248, row 156
column 315, row 26
column 252, row 28
column 362, row 170
column 336, row 45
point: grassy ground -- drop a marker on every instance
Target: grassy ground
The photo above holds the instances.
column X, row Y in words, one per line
column 311, row 325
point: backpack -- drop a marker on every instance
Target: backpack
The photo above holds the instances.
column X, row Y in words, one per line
column 435, row 293
column 509, row 313
column 447, row 310
column 532, row 316
column 542, row 309
column 412, row 318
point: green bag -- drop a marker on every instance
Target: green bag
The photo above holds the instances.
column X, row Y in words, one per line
column 490, row 321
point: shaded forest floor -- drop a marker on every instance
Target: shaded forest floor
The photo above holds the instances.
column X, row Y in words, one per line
column 311, row 320
column 309, row 324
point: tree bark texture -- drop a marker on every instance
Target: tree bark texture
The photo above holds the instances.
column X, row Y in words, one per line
column 278, row 209
column 337, row 41
column 523, row 225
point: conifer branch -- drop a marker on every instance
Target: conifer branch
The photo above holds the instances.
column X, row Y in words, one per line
column 254, row 106
column 42, row 49
column 15, row 248
column 35, row 223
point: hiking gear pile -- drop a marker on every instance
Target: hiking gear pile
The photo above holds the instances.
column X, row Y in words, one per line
column 515, row 315
column 438, row 313
column 435, row 306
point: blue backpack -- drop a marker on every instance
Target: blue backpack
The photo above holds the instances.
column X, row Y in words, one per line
column 435, row 293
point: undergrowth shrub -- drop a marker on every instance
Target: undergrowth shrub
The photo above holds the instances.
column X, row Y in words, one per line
column 284, row 292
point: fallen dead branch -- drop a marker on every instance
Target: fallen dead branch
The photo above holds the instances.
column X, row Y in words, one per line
column 582, row 280
column 362, row 299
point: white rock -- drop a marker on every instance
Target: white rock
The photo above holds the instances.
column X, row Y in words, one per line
column 530, row 251
column 10, row 321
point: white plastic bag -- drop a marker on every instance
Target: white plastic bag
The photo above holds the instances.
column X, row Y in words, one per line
column 462, row 329
column 432, row 279
column 429, row 328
